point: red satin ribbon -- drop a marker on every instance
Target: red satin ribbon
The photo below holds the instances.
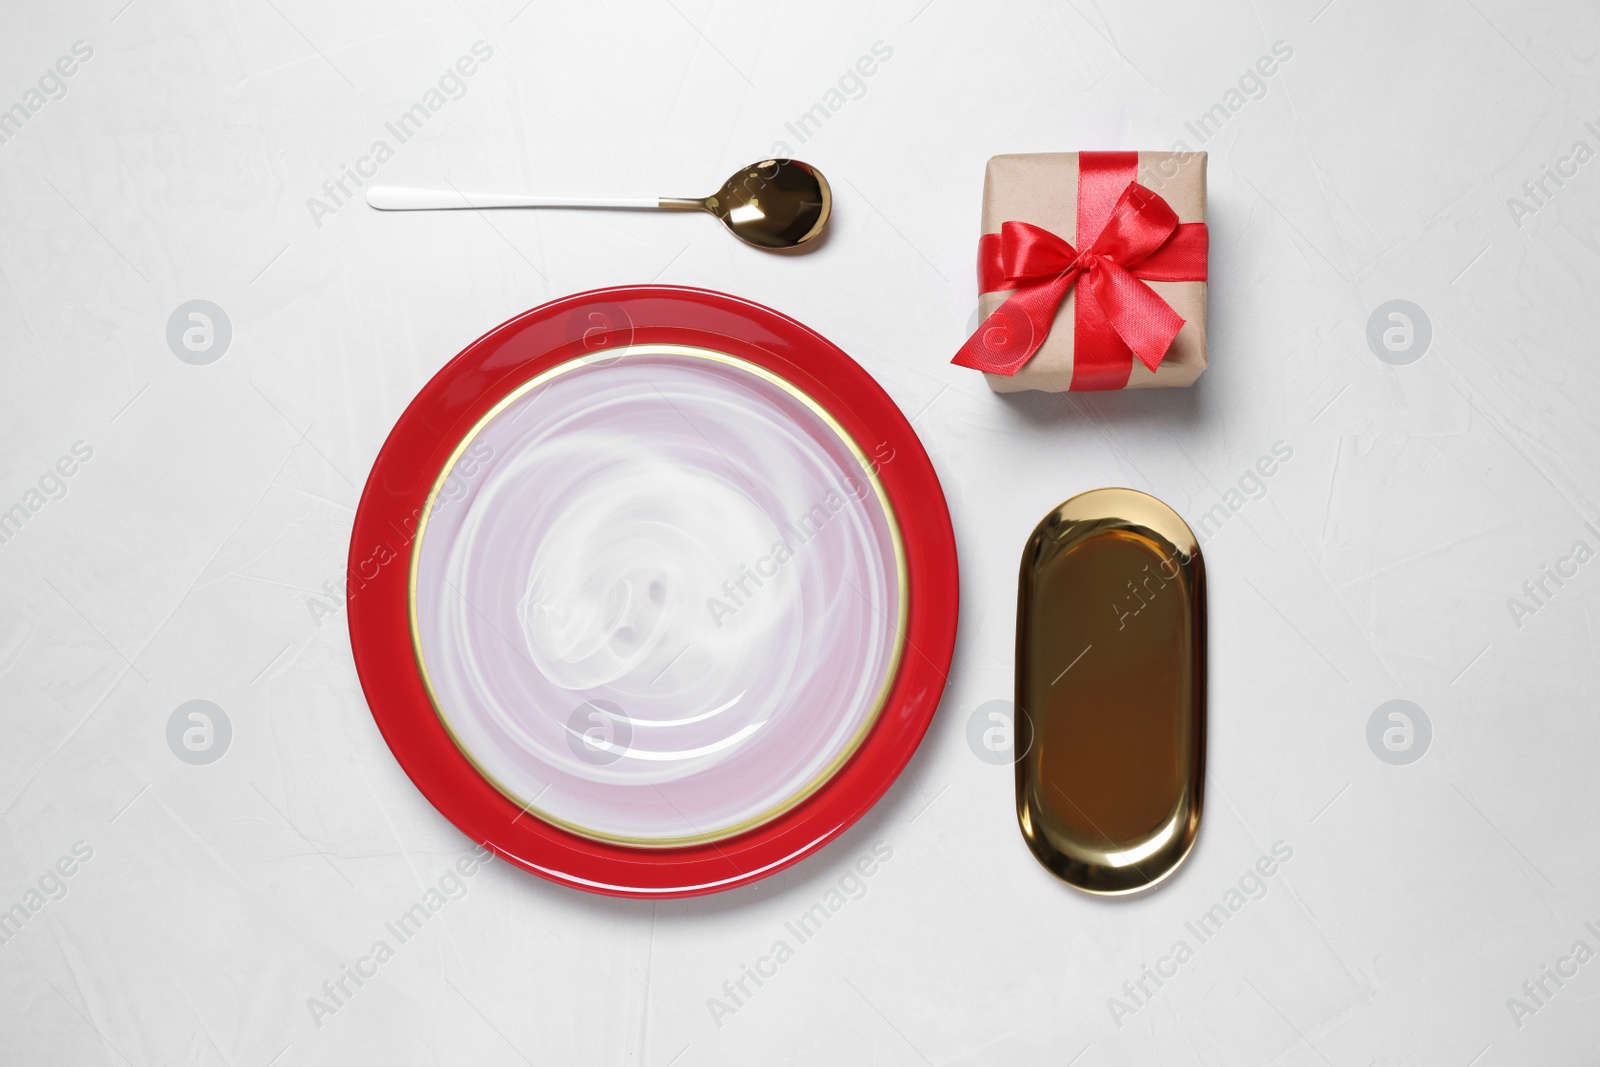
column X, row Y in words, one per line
column 1136, row 238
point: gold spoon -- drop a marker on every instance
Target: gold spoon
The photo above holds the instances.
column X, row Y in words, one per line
column 777, row 203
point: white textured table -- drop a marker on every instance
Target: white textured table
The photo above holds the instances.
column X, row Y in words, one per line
column 172, row 527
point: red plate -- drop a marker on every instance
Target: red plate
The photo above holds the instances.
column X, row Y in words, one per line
column 421, row 444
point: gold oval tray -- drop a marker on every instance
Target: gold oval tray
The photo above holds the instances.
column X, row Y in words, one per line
column 1111, row 691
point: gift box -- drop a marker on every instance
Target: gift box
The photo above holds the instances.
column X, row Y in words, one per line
column 1091, row 272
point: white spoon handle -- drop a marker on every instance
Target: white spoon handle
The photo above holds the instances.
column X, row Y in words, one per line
column 399, row 198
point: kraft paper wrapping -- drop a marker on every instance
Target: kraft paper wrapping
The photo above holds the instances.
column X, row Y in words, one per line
column 1042, row 188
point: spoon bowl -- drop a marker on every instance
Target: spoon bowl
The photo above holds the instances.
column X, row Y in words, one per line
column 777, row 203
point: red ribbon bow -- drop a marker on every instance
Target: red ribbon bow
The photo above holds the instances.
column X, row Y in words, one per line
column 1136, row 238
